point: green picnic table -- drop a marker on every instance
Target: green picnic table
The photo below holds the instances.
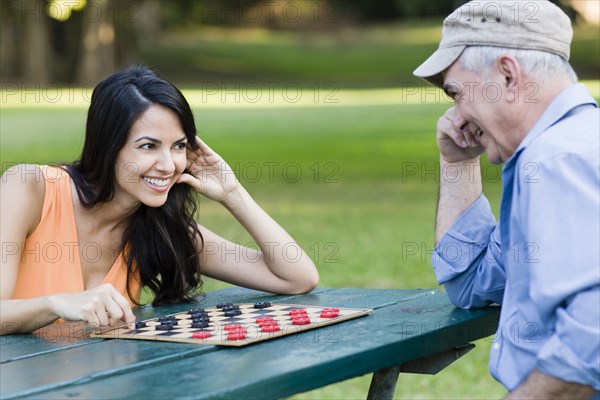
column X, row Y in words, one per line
column 416, row 331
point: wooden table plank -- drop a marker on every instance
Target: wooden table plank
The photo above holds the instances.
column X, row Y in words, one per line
column 53, row 338
column 425, row 322
column 45, row 350
column 72, row 365
column 72, row 359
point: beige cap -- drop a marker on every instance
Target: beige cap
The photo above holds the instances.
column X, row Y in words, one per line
column 528, row 25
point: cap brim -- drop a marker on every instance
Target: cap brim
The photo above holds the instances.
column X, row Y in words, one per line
column 431, row 70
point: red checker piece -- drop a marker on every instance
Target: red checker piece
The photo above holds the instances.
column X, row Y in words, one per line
column 261, row 320
column 334, row 309
column 233, row 327
column 301, row 321
column 297, row 312
column 268, row 323
column 270, row 328
column 271, row 322
column 329, row 314
column 236, row 335
column 201, row 335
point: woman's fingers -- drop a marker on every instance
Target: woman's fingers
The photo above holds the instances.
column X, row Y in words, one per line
column 100, row 306
column 202, row 146
column 125, row 311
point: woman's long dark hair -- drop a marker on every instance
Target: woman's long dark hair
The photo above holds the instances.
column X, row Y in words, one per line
column 158, row 243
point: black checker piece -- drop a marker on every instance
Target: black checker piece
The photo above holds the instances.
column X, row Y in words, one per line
column 262, row 304
column 200, row 324
column 232, row 312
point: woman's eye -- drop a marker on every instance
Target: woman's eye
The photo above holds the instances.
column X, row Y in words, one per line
column 180, row 146
column 147, row 146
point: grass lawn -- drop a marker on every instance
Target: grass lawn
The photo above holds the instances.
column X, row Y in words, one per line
column 347, row 56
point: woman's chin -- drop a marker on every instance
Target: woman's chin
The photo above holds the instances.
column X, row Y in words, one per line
column 155, row 202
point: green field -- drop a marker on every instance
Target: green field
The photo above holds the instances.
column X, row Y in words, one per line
column 349, row 56
column 351, row 174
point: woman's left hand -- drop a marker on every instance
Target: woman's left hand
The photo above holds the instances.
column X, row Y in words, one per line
column 208, row 173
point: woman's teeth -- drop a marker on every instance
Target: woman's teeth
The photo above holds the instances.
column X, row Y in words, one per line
column 157, row 182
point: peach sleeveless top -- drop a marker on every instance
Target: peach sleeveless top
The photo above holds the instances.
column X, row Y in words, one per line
column 50, row 259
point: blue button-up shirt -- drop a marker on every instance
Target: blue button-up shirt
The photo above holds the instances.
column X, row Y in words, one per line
column 541, row 262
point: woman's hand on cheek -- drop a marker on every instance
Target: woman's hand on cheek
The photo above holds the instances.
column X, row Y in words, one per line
column 208, row 173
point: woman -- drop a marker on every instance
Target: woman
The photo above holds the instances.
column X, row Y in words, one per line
column 79, row 242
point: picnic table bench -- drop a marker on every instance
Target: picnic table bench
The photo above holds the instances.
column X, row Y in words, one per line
column 416, row 331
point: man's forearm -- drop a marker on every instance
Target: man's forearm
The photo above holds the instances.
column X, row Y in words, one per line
column 460, row 186
column 541, row 386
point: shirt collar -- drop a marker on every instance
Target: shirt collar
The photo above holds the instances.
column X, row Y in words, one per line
column 570, row 98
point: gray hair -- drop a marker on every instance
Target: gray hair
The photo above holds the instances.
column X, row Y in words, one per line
column 536, row 64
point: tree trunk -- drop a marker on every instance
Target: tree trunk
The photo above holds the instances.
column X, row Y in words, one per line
column 148, row 23
column 98, row 42
column 36, row 53
column 8, row 45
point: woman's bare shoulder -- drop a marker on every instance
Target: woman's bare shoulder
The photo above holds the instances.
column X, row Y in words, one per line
column 22, row 191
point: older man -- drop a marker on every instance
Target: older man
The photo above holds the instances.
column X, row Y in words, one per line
column 505, row 65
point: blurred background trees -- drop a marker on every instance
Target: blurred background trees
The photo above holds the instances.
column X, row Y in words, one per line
column 79, row 41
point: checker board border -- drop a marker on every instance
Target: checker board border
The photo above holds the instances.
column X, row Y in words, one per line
column 249, row 313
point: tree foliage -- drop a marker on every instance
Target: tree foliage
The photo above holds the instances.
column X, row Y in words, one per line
column 81, row 41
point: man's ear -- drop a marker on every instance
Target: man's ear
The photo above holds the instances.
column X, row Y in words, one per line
column 511, row 71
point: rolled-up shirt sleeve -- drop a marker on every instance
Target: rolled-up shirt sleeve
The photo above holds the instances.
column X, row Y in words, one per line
column 468, row 258
column 572, row 353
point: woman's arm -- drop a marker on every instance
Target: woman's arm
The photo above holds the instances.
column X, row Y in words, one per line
column 100, row 306
column 22, row 190
column 22, row 198
column 280, row 266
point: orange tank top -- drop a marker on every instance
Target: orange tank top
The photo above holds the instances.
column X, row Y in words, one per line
column 50, row 259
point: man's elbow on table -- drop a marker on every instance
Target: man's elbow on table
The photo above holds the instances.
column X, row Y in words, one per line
column 465, row 296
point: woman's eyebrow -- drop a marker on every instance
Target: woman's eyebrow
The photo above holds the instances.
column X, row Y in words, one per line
column 158, row 141
column 153, row 140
